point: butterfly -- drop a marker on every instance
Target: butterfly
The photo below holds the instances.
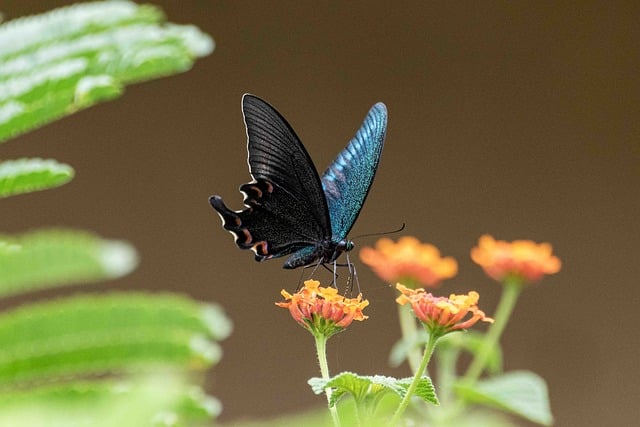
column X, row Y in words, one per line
column 289, row 209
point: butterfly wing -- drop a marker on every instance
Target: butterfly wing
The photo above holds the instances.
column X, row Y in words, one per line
column 347, row 181
column 286, row 207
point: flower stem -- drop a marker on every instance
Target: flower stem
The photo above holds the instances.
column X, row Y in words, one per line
column 510, row 293
column 428, row 351
column 321, row 349
column 409, row 329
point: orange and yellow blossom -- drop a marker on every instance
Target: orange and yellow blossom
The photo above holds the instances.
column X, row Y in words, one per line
column 323, row 310
column 408, row 261
column 521, row 259
column 440, row 314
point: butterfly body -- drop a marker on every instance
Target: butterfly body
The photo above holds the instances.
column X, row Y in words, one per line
column 289, row 209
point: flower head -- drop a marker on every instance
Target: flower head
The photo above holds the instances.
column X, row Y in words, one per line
column 322, row 310
column 442, row 315
column 409, row 261
column 521, row 259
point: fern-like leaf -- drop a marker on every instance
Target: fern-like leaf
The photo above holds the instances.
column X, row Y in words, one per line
column 28, row 175
column 59, row 62
column 54, row 257
column 114, row 333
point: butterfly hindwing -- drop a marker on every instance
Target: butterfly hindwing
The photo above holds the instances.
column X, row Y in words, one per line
column 263, row 226
column 347, row 181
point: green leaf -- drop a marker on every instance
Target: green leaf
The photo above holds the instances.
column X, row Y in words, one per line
column 472, row 342
column 520, row 392
column 401, row 348
column 57, row 63
column 364, row 388
column 28, row 175
column 120, row 332
column 164, row 399
column 53, row 257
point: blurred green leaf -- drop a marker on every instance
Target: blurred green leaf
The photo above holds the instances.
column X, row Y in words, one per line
column 54, row 64
column 53, row 257
column 520, row 392
column 164, row 399
column 115, row 333
column 28, row 175
column 472, row 342
column 400, row 350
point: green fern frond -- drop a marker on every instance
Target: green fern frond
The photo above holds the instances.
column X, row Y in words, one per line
column 54, row 64
column 164, row 399
column 28, row 175
column 53, row 257
column 114, row 333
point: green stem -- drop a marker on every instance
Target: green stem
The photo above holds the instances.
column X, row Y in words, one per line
column 409, row 329
column 428, row 351
column 446, row 363
column 321, row 349
column 510, row 293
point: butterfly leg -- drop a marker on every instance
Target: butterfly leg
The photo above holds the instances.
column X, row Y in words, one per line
column 315, row 267
column 353, row 275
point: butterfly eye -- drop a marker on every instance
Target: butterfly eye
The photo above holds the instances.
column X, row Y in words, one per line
column 349, row 246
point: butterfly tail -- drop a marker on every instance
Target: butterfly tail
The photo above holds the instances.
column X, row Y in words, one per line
column 232, row 221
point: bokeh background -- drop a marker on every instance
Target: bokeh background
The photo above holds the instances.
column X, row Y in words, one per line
column 518, row 119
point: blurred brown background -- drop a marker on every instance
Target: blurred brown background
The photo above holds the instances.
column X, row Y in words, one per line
column 510, row 118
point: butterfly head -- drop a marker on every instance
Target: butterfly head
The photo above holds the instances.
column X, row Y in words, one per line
column 342, row 246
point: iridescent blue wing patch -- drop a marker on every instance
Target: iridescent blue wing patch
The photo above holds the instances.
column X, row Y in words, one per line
column 347, row 181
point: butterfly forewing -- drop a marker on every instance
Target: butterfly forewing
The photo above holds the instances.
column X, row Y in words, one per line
column 347, row 180
column 277, row 155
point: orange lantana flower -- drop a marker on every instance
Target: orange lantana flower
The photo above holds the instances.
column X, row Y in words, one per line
column 521, row 259
column 322, row 310
column 442, row 315
column 409, row 261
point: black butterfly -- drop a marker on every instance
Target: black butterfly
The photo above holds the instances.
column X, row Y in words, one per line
column 289, row 209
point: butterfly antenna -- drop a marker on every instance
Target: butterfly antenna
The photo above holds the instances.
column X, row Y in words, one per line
column 382, row 233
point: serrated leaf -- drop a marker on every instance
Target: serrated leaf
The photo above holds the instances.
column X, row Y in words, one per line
column 164, row 399
column 424, row 390
column 60, row 62
column 54, row 257
column 520, row 392
column 364, row 387
column 119, row 332
column 28, row 175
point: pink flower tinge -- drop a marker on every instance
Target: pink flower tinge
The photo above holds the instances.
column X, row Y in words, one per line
column 322, row 310
column 442, row 315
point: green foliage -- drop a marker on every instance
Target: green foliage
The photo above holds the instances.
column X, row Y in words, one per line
column 368, row 390
column 521, row 392
column 122, row 359
column 60, row 62
column 92, row 334
column 472, row 341
column 27, row 175
column 162, row 400
column 469, row 341
column 53, row 257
